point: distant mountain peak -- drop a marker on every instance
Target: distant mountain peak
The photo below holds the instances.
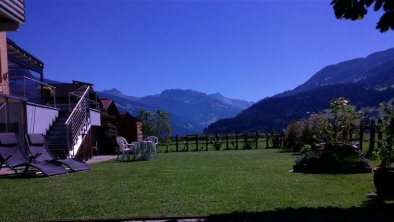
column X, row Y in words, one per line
column 190, row 110
column 118, row 93
column 217, row 95
column 113, row 90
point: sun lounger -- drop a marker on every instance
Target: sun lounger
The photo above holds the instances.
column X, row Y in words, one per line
column 11, row 155
column 37, row 144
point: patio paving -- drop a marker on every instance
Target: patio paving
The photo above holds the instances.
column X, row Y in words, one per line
column 102, row 158
column 94, row 159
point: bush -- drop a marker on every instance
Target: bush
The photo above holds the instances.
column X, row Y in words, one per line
column 216, row 142
column 332, row 158
column 333, row 126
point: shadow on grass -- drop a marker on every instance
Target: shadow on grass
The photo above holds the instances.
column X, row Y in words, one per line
column 372, row 210
column 290, row 151
column 23, row 176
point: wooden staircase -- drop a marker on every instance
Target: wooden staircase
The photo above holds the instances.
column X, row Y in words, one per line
column 56, row 136
column 69, row 135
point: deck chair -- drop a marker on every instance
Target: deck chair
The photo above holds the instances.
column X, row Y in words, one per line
column 37, row 144
column 12, row 156
column 154, row 141
column 125, row 148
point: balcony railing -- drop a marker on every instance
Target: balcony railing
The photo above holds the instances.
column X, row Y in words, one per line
column 33, row 90
column 75, row 96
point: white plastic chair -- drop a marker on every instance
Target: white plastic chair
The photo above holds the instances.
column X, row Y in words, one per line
column 125, row 148
column 153, row 141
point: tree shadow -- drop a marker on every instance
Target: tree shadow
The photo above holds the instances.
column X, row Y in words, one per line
column 370, row 211
column 294, row 153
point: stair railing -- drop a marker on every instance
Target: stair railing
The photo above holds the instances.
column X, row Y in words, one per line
column 78, row 121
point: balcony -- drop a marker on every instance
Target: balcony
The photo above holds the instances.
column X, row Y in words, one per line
column 12, row 14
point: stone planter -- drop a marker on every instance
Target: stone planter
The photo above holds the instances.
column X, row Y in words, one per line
column 383, row 179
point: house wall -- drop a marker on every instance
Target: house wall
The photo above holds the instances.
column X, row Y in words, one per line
column 95, row 117
column 3, row 64
column 40, row 118
column 131, row 129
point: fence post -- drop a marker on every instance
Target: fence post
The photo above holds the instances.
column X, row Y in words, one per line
column 166, row 142
column 187, row 143
column 196, row 142
column 236, row 141
column 226, row 141
column 267, row 144
column 246, row 145
column 176, row 143
column 361, row 136
column 257, row 140
column 371, row 139
column 282, row 139
column 206, row 142
column 380, row 133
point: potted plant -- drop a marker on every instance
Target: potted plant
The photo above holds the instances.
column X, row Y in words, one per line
column 384, row 173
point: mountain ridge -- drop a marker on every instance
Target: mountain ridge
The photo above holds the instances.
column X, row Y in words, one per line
column 365, row 81
column 359, row 70
column 190, row 110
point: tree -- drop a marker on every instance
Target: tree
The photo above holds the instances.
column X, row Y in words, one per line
column 156, row 123
column 162, row 127
column 357, row 9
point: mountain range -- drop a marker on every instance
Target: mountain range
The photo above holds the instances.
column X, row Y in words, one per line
column 190, row 111
column 364, row 81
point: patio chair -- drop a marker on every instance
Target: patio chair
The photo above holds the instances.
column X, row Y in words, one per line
column 154, row 140
column 12, row 156
column 37, row 144
column 125, row 148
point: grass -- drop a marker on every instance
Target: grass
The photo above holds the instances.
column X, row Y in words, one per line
column 180, row 184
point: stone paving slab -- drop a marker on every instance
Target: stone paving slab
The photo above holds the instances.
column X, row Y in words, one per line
column 102, row 158
column 94, row 159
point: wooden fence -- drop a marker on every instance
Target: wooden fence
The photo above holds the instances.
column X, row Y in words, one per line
column 367, row 136
column 221, row 142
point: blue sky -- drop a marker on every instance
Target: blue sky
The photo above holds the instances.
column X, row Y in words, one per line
column 243, row 49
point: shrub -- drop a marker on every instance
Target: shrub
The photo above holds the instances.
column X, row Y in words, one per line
column 332, row 158
column 216, row 142
column 293, row 134
column 386, row 153
column 333, row 126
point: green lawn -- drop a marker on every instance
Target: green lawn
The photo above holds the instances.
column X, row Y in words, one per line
column 180, row 184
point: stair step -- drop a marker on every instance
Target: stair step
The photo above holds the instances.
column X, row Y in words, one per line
column 56, row 136
column 57, row 128
column 56, row 132
column 59, row 124
column 56, row 139
column 61, row 120
column 58, row 146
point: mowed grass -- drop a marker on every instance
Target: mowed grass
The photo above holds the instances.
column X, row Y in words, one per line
column 180, row 184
